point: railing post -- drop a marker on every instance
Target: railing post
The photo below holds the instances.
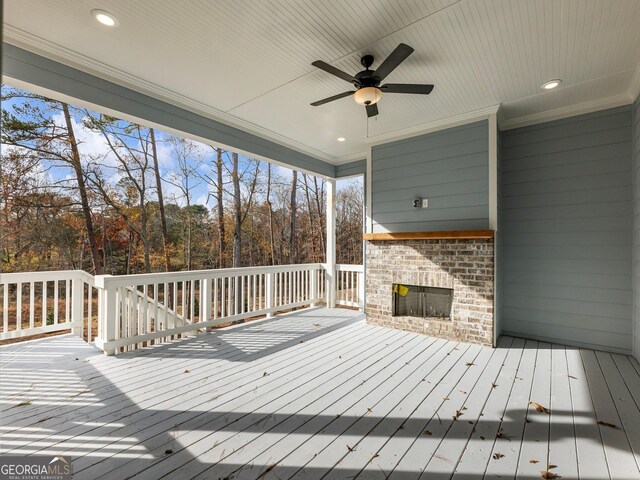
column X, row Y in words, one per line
column 205, row 300
column 107, row 314
column 313, row 285
column 269, row 284
column 77, row 305
column 360, row 277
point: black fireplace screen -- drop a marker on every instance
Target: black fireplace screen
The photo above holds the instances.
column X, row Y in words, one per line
column 420, row 301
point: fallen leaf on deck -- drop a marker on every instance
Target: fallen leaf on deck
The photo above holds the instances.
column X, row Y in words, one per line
column 471, row 422
column 350, row 449
column 482, row 437
column 540, row 408
column 168, row 451
column 571, row 376
column 316, row 324
column 369, row 410
column 533, row 461
column 427, row 432
column 548, row 475
column 457, row 415
column 464, row 408
column 551, row 467
column 468, row 364
column 497, row 456
column 186, row 371
column 494, row 385
column 265, row 374
column 445, row 398
column 375, row 455
column 25, row 403
column 607, row 424
column 442, row 458
column 268, row 469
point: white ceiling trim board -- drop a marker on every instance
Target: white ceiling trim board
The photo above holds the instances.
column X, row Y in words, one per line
column 441, row 124
column 565, row 112
column 37, row 45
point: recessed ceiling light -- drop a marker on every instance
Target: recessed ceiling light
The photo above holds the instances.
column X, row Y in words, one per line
column 341, row 139
column 551, row 84
column 105, row 18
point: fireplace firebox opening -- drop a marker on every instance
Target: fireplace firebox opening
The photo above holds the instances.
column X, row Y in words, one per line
column 422, row 301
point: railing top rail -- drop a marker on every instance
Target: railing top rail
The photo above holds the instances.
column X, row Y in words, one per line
column 160, row 277
column 24, row 277
column 344, row 267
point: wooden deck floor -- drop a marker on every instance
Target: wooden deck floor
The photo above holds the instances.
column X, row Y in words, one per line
column 321, row 394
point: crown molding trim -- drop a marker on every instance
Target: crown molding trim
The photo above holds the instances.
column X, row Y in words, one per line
column 442, row 124
column 565, row 112
column 40, row 46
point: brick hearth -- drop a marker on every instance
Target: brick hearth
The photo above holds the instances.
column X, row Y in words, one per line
column 466, row 266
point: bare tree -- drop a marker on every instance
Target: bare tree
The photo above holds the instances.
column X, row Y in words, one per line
column 292, row 225
column 163, row 215
column 130, row 145
column 187, row 178
column 34, row 129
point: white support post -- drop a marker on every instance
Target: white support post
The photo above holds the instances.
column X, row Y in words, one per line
column 360, row 277
column 331, row 243
column 269, row 293
column 77, row 305
column 108, row 312
column 313, row 285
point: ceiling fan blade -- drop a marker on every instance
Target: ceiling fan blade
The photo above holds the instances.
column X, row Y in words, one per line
column 334, row 71
column 335, row 97
column 407, row 88
column 372, row 110
column 398, row 56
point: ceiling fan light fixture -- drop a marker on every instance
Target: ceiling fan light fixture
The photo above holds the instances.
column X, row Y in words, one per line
column 367, row 96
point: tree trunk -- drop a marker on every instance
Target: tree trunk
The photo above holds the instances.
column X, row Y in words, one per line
column 163, row 216
column 292, row 225
column 272, row 253
column 221, row 232
column 237, row 224
column 86, row 210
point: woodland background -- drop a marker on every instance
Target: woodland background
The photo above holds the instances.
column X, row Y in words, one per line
column 83, row 190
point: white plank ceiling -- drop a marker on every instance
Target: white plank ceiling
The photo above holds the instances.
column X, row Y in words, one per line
column 248, row 62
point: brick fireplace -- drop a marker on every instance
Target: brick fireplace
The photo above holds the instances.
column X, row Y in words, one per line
column 464, row 265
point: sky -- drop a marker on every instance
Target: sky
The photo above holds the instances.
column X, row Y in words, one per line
column 92, row 144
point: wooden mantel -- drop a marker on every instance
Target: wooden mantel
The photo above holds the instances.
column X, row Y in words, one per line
column 446, row 235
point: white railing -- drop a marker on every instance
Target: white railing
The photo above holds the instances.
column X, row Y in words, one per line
column 43, row 302
column 350, row 285
column 137, row 310
column 134, row 311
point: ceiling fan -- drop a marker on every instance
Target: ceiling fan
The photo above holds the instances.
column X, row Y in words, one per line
column 367, row 82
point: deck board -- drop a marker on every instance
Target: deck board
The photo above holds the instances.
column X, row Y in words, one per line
column 321, row 394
